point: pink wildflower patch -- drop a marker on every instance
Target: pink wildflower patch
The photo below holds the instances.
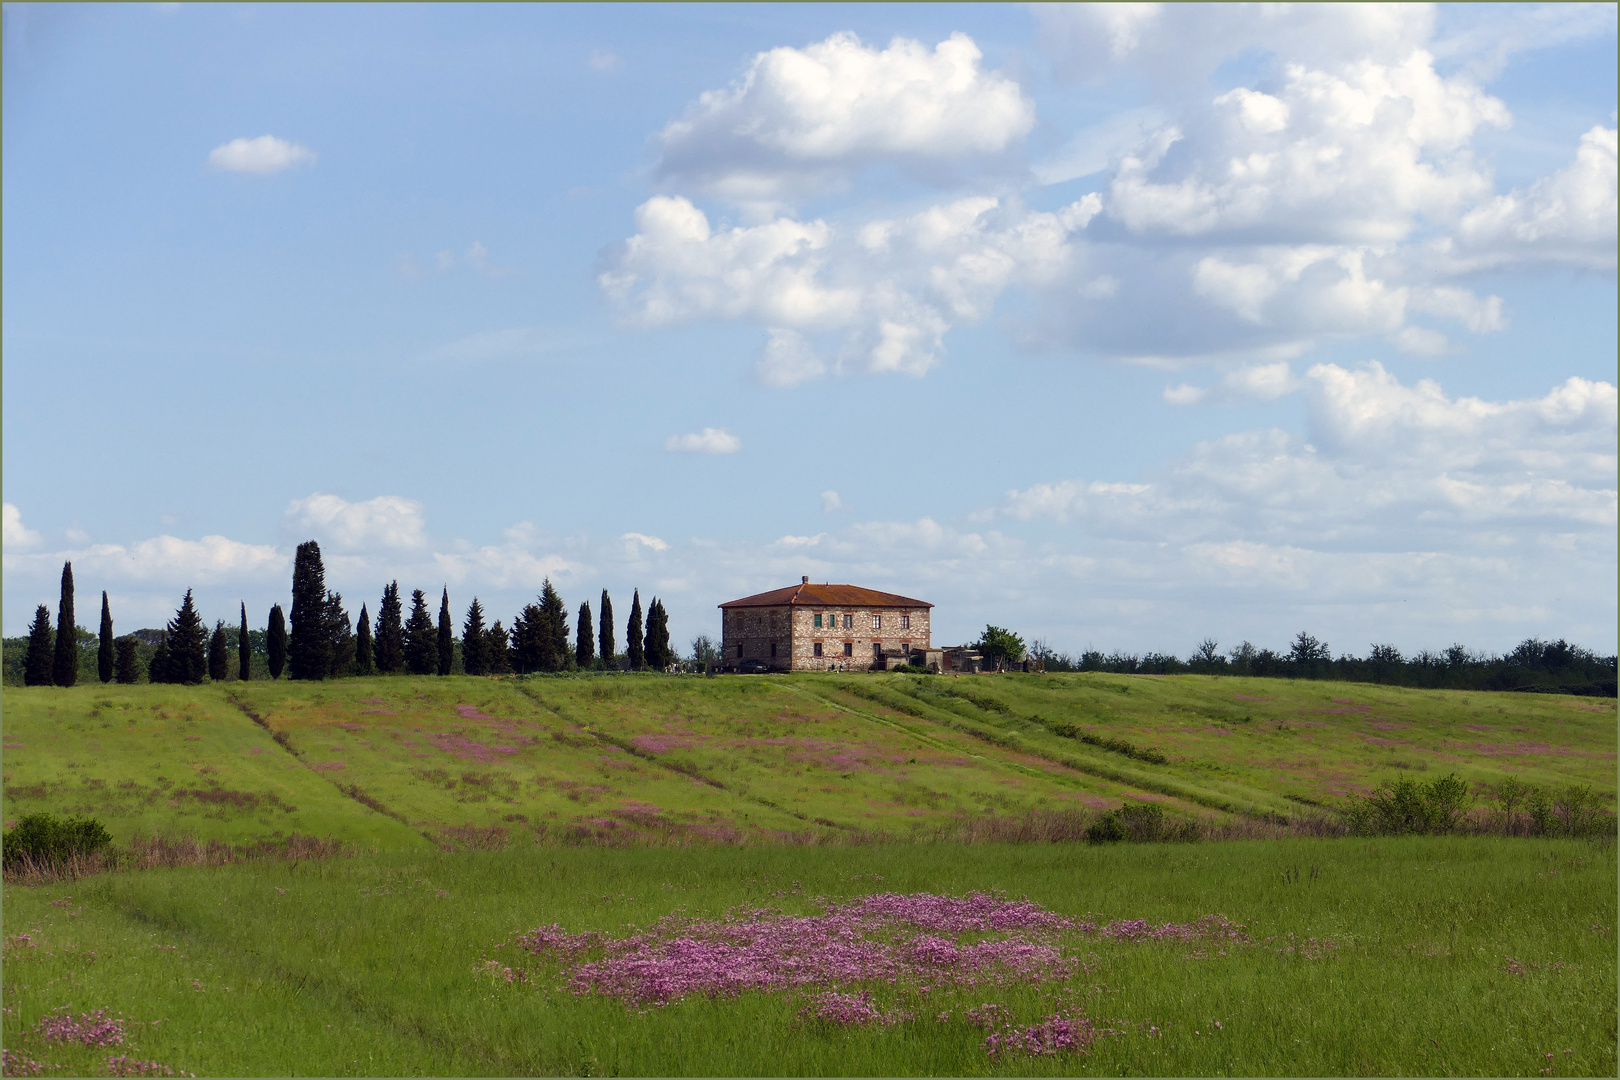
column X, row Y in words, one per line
column 94, row 1028
column 1054, row 1035
column 15, row 1064
column 466, row 749
column 123, row 1065
column 847, row 1010
column 1216, row 927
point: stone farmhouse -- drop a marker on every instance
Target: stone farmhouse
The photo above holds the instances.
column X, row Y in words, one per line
column 807, row 627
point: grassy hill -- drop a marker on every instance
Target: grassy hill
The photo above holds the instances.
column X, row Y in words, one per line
column 404, row 762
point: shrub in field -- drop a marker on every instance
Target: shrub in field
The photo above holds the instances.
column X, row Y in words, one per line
column 43, row 839
column 1406, row 806
column 1525, row 810
column 1142, row 823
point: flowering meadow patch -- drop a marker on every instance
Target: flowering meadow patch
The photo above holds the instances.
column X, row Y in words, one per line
column 94, row 1028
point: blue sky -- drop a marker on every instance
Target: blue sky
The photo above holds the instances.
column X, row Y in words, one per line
column 1122, row 326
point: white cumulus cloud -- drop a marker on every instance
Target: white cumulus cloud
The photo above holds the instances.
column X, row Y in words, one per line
column 265, row 154
column 708, row 441
column 387, row 521
column 17, row 535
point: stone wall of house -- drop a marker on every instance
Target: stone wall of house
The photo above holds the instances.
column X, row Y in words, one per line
column 793, row 634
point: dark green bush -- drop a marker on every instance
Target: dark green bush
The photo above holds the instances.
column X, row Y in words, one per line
column 1406, row 806
column 1139, row 823
column 42, row 839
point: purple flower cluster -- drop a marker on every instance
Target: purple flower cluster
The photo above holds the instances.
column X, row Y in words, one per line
column 122, row 1065
column 912, row 942
column 1218, row 927
column 94, row 1028
column 1054, row 1035
column 15, row 1064
column 848, row 1010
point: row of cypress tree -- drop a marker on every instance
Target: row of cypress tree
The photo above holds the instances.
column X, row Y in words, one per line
column 320, row 644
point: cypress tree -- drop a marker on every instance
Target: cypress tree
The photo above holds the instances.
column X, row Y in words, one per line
column 584, row 638
column 362, row 643
column 474, row 641
column 339, row 638
column 498, row 650
column 127, row 667
column 309, row 644
column 553, row 629
column 605, row 637
column 447, row 635
column 65, row 666
column 187, row 640
column 157, row 669
column 525, row 645
column 219, row 653
column 41, row 659
column 244, row 649
column 632, row 635
column 421, row 639
column 104, row 655
column 389, row 641
column 658, row 652
column 275, row 642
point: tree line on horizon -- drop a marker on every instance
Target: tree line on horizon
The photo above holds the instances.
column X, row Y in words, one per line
column 317, row 640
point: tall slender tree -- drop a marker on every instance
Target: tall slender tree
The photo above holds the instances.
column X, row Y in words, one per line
column 389, row 640
column 605, row 638
column 421, row 639
column 633, row 645
column 219, row 653
column 244, row 649
column 584, row 637
column 187, row 638
column 447, row 635
column 158, row 667
column 65, row 666
column 498, row 646
column 474, row 641
column 104, row 654
column 309, row 644
column 363, row 653
column 658, row 653
column 554, row 652
column 41, row 660
column 275, row 641
column 339, row 637
column 127, row 669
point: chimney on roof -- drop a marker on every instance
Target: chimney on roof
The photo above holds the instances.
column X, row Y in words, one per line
column 805, row 580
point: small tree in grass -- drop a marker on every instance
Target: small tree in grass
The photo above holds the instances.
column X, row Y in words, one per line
column 40, row 663
column 447, row 635
column 219, row 653
column 634, row 646
column 604, row 639
column 363, row 658
column 104, row 654
column 275, row 641
column 475, row 641
column 998, row 644
column 127, row 666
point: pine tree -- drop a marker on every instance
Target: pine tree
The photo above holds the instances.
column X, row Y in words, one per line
column 339, row 637
column 525, row 646
column 65, row 665
column 605, row 637
column 187, row 640
column 275, row 641
column 498, row 650
column 474, row 641
column 584, row 638
column 244, row 649
column 421, row 639
column 41, row 659
column 362, row 643
column 658, row 653
column 632, row 635
column 309, row 644
column 554, row 652
column 157, row 668
column 127, row 667
column 389, row 640
column 447, row 635
column 104, row 655
column 219, row 653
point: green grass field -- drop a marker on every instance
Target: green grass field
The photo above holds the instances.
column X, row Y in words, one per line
column 479, row 809
column 1434, row 956
column 400, row 763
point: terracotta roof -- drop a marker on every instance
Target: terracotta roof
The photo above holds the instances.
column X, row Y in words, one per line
column 812, row 595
